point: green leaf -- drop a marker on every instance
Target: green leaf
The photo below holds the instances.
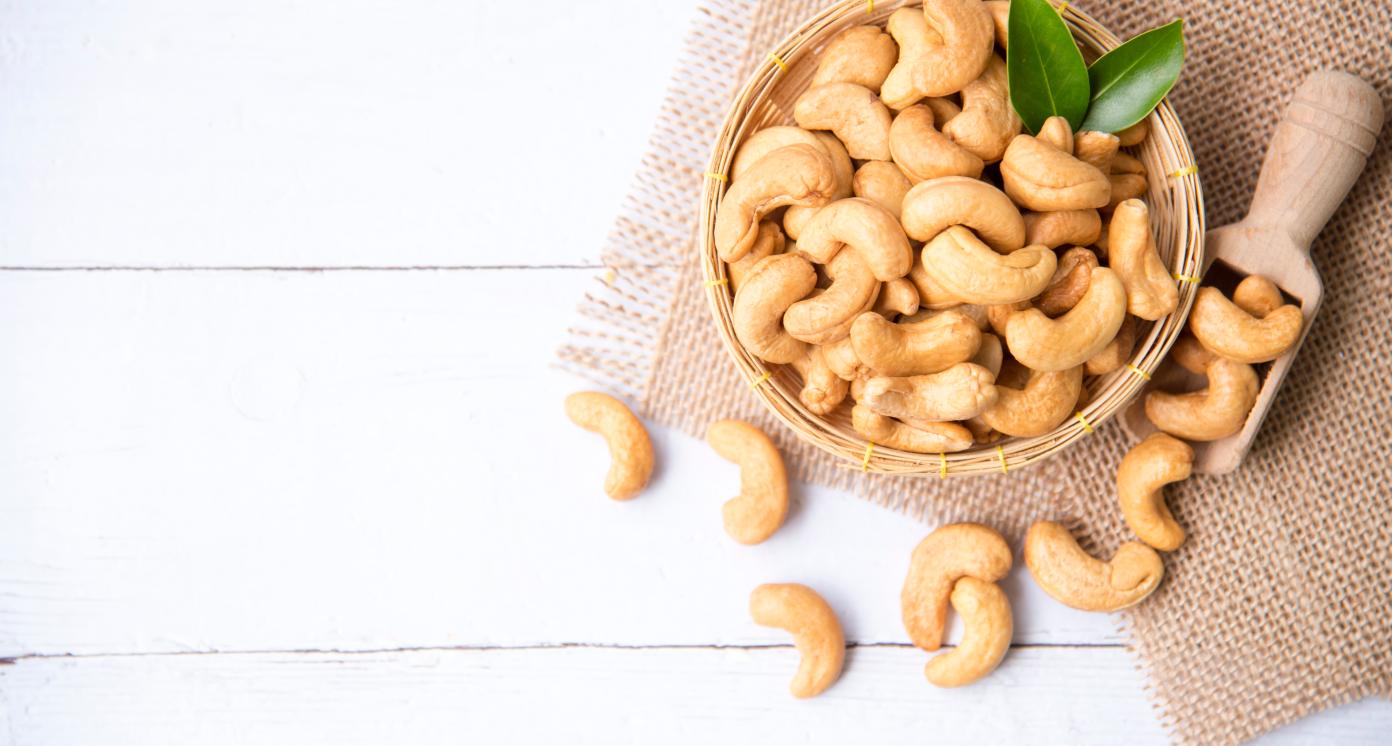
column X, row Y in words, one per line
column 1130, row 80
column 1046, row 70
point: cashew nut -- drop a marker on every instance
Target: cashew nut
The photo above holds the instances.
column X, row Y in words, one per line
column 1077, row 579
column 853, row 112
column 1125, row 187
column 762, row 504
column 1000, row 18
column 1211, row 413
column 957, row 393
column 827, row 316
column 940, row 52
column 998, row 315
column 933, row 206
column 815, row 630
column 950, row 553
column 864, row 227
column 1117, row 352
column 1045, row 401
column 1070, row 340
column 1145, row 470
column 1096, row 149
column 915, row 348
column 630, row 449
column 1069, row 283
column 1055, row 229
column 1188, row 354
column 883, row 183
column 766, row 293
column 840, row 357
column 931, row 295
column 988, row 122
column 792, row 175
column 991, row 354
column 1040, row 177
column 796, row 217
column 944, row 109
column 1131, row 253
column 922, row 437
column 923, row 152
column 1258, row 296
column 898, row 297
column 768, row 242
column 1237, row 335
column 1125, row 163
column 1135, row 134
column 862, row 55
column 987, row 627
column 1057, row 132
column 765, row 141
column 822, row 390
column 970, row 271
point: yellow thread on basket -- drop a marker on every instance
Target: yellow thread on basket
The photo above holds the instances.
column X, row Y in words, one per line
column 871, row 8
column 713, row 283
column 759, row 380
column 778, row 61
column 1138, row 371
column 942, row 466
column 865, row 460
column 1063, row 8
column 1187, row 278
column 609, row 277
column 1000, row 451
column 1086, row 425
column 716, row 176
column 1188, row 170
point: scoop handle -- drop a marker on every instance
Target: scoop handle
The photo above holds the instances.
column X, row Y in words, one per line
column 1318, row 151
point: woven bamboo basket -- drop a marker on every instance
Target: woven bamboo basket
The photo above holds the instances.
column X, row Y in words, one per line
column 1176, row 207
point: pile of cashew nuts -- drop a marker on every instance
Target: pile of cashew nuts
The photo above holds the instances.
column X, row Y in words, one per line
column 908, row 248
column 956, row 278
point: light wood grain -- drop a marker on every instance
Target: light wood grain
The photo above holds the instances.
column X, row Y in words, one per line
column 347, row 460
column 352, row 132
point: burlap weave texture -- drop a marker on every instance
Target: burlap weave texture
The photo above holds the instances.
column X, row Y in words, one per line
column 1280, row 602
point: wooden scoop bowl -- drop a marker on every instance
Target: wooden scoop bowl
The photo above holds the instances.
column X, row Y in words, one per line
column 1318, row 151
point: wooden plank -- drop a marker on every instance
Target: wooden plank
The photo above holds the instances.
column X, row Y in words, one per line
column 324, row 132
column 587, row 695
column 365, row 460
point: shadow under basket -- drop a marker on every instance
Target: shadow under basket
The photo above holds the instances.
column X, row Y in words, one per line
column 1176, row 209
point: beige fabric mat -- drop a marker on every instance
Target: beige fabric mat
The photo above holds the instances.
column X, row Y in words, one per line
column 1280, row 603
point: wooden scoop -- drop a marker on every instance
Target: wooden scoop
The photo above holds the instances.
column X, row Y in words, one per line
column 1318, row 151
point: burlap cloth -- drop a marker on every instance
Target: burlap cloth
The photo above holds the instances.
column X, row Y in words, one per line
column 1280, row 602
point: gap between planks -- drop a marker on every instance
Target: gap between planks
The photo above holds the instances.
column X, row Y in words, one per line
column 511, row 648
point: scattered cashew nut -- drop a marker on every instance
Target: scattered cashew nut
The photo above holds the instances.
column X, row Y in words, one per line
column 1144, row 471
column 816, row 632
column 1077, row 579
column 762, row 504
column 630, row 449
column 987, row 627
column 945, row 556
column 1211, row 413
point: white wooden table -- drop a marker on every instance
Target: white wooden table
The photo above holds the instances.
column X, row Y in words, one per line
column 283, row 461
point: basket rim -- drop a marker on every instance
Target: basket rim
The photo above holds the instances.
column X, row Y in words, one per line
column 775, row 385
